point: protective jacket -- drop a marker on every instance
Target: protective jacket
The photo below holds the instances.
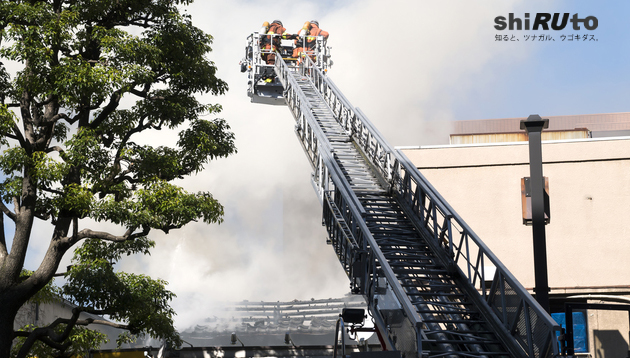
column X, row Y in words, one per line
column 311, row 39
column 300, row 41
column 274, row 29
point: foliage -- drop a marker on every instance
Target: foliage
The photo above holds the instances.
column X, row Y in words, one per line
column 74, row 155
column 50, row 293
column 81, row 339
column 141, row 302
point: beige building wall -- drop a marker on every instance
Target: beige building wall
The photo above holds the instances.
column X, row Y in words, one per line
column 588, row 238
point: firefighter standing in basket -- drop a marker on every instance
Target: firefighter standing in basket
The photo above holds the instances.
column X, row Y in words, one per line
column 311, row 39
column 299, row 49
column 270, row 42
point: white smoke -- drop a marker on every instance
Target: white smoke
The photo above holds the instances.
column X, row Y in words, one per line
column 403, row 63
column 398, row 63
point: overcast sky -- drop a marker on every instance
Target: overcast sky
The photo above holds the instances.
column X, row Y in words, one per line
column 412, row 67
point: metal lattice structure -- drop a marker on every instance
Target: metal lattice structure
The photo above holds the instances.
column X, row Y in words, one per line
column 418, row 264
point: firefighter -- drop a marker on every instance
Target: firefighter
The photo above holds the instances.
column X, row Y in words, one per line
column 311, row 39
column 271, row 43
column 298, row 51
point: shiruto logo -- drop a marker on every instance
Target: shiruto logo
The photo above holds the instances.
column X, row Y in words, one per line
column 545, row 21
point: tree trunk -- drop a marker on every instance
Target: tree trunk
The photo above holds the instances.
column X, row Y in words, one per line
column 7, row 317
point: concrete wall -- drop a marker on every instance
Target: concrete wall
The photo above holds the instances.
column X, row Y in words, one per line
column 609, row 333
column 589, row 183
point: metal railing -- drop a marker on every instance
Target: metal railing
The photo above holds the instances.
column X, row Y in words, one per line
column 254, row 51
column 340, row 330
column 507, row 305
column 349, row 235
column 508, row 301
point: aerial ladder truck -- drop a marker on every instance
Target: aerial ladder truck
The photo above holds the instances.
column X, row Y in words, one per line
column 419, row 266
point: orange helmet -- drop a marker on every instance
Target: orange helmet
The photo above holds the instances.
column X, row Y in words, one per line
column 266, row 24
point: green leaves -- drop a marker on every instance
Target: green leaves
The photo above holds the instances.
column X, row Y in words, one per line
column 85, row 152
column 7, row 122
column 138, row 301
column 159, row 205
column 203, row 141
column 36, row 33
column 82, row 340
column 170, row 206
column 77, row 81
column 40, row 167
column 48, row 294
column 182, row 49
column 76, row 200
column 110, row 252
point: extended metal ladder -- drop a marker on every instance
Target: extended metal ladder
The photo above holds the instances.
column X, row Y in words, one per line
column 421, row 269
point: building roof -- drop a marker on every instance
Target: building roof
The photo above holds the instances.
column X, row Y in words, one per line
column 312, row 321
column 602, row 122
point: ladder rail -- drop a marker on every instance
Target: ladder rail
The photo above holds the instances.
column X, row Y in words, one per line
column 508, row 300
column 367, row 268
column 518, row 314
column 364, row 281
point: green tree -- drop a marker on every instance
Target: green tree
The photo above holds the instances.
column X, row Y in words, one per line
column 95, row 77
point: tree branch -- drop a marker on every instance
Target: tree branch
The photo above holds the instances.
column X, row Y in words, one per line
column 18, row 136
column 124, row 177
column 75, row 229
column 141, row 94
column 45, row 340
column 7, row 212
column 123, row 143
column 3, row 243
column 49, row 336
column 114, row 100
column 55, row 148
column 10, row 136
column 70, row 323
column 49, row 190
column 16, row 205
column 102, row 235
column 57, row 117
column 85, row 322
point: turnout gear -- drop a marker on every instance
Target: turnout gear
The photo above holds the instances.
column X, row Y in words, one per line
column 311, row 39
column 306, row 45
column 312, row 36
column 271, row 42
column 298, row 51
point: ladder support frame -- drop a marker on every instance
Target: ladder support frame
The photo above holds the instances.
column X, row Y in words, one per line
column 506, row 304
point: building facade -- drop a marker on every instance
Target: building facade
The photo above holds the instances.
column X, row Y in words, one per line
column 588, row 236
